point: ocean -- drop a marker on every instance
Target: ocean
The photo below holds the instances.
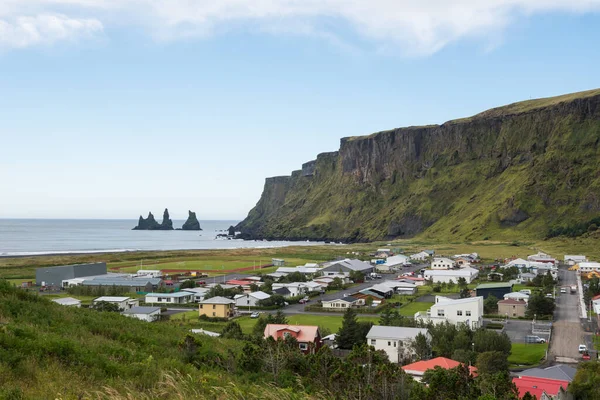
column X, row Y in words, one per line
column 19, row 237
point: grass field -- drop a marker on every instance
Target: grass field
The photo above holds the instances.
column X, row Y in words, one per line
column 527, row 354
column 411, row 308
column 331, row 322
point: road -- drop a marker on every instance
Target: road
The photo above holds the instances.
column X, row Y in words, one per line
column 567, row 332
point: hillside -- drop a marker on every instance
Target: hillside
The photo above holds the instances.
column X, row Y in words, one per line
column 518, row 171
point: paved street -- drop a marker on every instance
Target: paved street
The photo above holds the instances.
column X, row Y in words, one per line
column 567, row 333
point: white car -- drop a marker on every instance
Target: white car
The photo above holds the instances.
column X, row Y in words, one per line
column 582, row 348
column 549, row 295
column 254, row 315
column 525, row 291
column 563, row 290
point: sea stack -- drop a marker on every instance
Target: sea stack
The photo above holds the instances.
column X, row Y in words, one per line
column 192, row 223
column 150, row 224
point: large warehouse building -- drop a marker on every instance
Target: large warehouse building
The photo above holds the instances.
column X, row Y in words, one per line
column 53, row 276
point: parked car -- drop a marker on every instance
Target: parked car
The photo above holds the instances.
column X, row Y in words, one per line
column 534, row 339
column 582, row 348
column 563, row 290
column 549, row 295
column 255, row 315
column 525, row 291
column 586, row 356
column 304, row 300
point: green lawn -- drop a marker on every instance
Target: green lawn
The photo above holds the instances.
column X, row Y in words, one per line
column 409, row 309
column 527, row 354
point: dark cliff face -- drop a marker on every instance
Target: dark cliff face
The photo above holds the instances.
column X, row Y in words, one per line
column 192, row 223
column 150, row 224
column 510, row 171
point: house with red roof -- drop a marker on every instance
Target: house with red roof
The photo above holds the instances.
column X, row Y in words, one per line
column 418, row 369
column 541, row 388
column 308, row 336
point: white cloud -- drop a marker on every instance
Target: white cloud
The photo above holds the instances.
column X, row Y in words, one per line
column 44, row 29
column 415, row 26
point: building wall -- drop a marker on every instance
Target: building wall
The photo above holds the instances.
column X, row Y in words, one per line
column 512, row 310
column 335, row 304
column 216, row 310
column 53, row 276
column 451, row 312
column 168, row 300
column 446, row 278
column 441, row 264
column 246, row 301
column 144, row 317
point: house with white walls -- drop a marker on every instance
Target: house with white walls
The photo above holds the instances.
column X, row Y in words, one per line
column 440, row 275
column 250, row 299
column 122, row 302
column 442, row 263
column 466, row 311
column 395, row 341
column 421, row 256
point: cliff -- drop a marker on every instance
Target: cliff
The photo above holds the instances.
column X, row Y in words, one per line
column 150, row 224
column 511, row 172
column 192, row 223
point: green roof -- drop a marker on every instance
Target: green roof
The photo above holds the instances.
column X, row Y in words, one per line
column 494, row 285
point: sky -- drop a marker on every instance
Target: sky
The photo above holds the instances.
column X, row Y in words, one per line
column 114, row 108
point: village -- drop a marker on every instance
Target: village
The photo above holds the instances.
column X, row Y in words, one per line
column 548, row 308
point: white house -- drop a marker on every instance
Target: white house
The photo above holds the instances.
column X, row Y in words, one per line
column 422, row 256
column 197, row 293
column 152, row 273
column 301, row 269
column 400, row 287
column 68, row 301
column 517, row 296
column 383, row 290
column 468, row 311
column 396, row 261
column 123, row 303
column 395, row 341
column 169, row 298
column 250, row 299
column 412, row 279
column 342, row 303
column 438, row 276
column 442, row 263
column 589, row 266
column 148, row 314
column 574, row 259
column 519, row 263
column 314, row 286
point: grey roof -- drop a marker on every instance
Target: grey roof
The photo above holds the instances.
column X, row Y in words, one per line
column 176, row 294
column 66, row 301
column 121, row 282
column 394, row 332
column 141, row 310
column 560, row 372
column 282, row 290
column 217, row 300
column 353, row 265
column 348, row 299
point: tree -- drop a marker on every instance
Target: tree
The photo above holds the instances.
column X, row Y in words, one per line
column 548, row 280
column 490, row 305
column 488, row 340
column 450, row 285
column 106, row 306
column 188, row 284
column 350, row 331
column 446, row 384
column 464, row 293
column 293, row 277
column 336, row 284
column 421, row 346
column 254, row 287
column 386, row 317
column 275, row 300
column 261, row 324
column 357, row 277
column 539, row 305
column 498, row 385
column 232, row 331
column 462, row 283
column 492, row 362
column 587, row 381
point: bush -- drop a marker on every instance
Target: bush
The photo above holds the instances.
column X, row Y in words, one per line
column 494, row 325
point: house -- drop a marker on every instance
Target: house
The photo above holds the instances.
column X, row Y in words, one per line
column 512, row 308
column 54, row 276
column 517, row 296
column 399, row 287
column 541, row 388
column 418, row 369
column 142, row 284
column 123, row 303
column 148, row 314
column 223, row 286
column 314, row 287
column 197, row 293
column 413, row 279
column 439, row 276
column 497, row 289
column 329, row 341
column 394, row 341
column 304, row 270
column 342, row 303
column 308, row 336
column 219, row 307
column 365, row 295
column 421, row 256
column 383, row 253
column 295, row 288
column 382, row 290
column 277, row 275
column 519, row 263
column 204, row 332
column 468, row 311
column 68, row 301
column 250, row 299
column 575, row 259
column 395, row 262
column 347, row 266
column 182, row 297
column 152, row 273
column 430, row 252
column 543, row 258
column 282, row 291
column 278, row 262
column 559, row 372
column 585, row 267
column 526, row 276
column 442, row 263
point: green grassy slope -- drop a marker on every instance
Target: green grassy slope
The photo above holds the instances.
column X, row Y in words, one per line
column 511, row 172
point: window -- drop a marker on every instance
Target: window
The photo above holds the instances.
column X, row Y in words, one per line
column 200, row 306
column 248, row 302
column 459, row 313
column 373, row 341
column 303, row 346
column 468, row 313
column 440, row 313
column 389, row 343
column 214, row 306
column 214, row 314
column 394, row 344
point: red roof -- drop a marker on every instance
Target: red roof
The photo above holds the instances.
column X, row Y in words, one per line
column 302, row 333
column 419, row 367
column 596, row 297
column 238, row 282
column 536, row 386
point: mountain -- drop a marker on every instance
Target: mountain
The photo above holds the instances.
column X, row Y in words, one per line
column 150, row 224
column 526, row 170
column 192, row 223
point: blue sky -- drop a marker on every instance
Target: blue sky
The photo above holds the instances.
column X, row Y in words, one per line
column 110, row 109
